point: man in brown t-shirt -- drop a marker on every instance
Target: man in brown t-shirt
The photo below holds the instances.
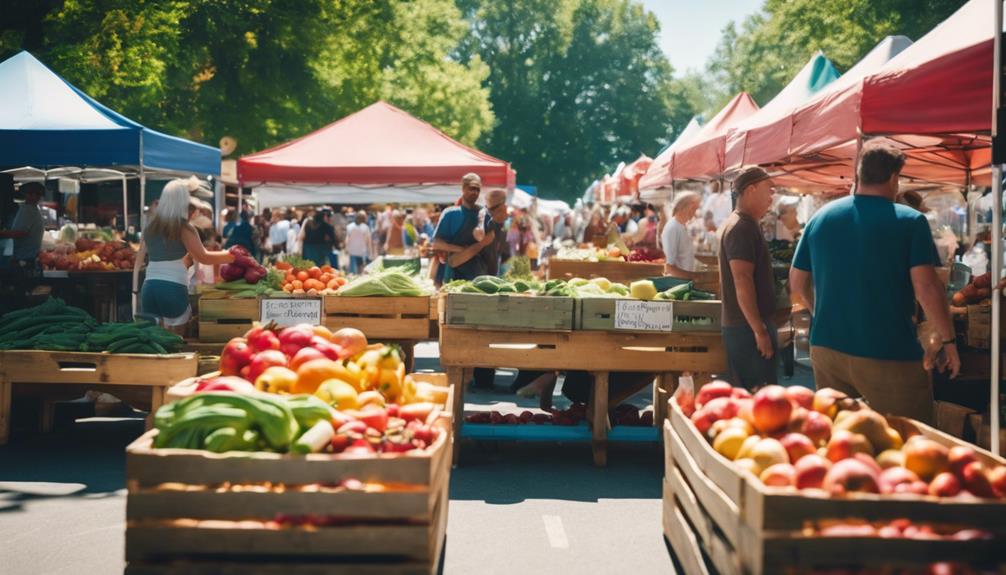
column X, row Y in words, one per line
column 748, row 291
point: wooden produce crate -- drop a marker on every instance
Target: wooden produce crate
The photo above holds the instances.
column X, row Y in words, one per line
column 621, row 272
column 380, row 318
column 598, row 314
column 741, row 526
column 510, row 311
column 64, row 375
column 221, row 319
column 708, row 280
column 178, row 498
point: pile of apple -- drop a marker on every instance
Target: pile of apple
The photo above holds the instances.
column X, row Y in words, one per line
column 378, row 408
column 797, row 438
column 896, row 529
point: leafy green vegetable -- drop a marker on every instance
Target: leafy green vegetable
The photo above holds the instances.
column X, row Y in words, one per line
column 388, row 283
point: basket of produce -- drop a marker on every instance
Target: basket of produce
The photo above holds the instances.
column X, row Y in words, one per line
column 301, row 276
column 89, row 255
column 389, row 304
column 793, row 479
column 309, row 450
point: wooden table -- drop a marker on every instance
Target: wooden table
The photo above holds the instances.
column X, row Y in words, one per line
column 464, row 348
column 56, row 375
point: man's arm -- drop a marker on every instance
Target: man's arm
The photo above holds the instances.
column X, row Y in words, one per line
column 801, row 284
column 471, row 251
column 440, row 245
column 743, row 272
column 675, row 271
column 931, row 294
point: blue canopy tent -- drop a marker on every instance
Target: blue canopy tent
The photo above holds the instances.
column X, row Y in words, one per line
column 47, row 122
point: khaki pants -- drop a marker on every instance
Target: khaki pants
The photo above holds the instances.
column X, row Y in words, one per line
column 891, row 387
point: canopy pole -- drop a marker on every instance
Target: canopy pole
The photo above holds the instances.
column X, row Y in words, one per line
column 125, row 204
column 996, row 236
column 143, row 186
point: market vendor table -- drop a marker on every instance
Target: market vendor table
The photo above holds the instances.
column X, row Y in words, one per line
column 61, row 375
column 464, row 348
column 103, row 289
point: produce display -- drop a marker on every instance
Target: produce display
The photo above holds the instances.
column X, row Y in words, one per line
column 304, row 389
column 650, row 255
column 572, row 415
column 896, row 529
column 392, row 282
column 89, row 255
column 612, row 253
column 576, row 287
column 55, row 326
column 824, row 441
column 303, row 277
column 244, row 267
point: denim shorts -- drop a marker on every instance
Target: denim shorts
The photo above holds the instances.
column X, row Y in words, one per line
column 164, row 299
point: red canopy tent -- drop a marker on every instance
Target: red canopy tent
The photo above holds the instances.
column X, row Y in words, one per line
column 628, row 183
column 379, row 154
column 703, row 156
column 932, row 98
column 659, row 173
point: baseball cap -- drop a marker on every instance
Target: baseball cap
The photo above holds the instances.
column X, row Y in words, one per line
column 748, row 177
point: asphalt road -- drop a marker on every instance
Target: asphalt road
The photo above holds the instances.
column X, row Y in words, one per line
column 515, row 507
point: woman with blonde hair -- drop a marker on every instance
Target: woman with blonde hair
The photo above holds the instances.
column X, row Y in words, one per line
column 172, row 244
column 679, row 251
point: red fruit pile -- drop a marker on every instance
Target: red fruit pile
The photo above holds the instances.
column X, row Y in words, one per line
column 244, row 266
column 630, row 416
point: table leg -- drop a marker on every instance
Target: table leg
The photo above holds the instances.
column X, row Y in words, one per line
column 156, row 401
column 5, row 394
column 48, row 415
column 456, row 379
column 599, row 418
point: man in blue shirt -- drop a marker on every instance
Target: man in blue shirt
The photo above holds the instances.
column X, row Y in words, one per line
column 860, row 266
column 459, row 228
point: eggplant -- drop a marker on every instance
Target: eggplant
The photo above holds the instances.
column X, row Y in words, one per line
column 231, row 272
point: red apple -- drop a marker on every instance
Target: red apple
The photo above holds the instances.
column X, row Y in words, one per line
column 745, row 409
column 740, row 393
column 869, row 460
column 768, row 452
column 292, row 339
column 826, row 401
column 810, row 471
column 892, row 477
column 849, row 530
column 779, row 475
column 817, row 428
column 262, row 339
column 843, row 444
column 711, row 391
column 998, row 479
column 976, row 481
column 235, row 355
column 851, row 475
column 797, row 446
column 945, row 484
column 328, row 349
column 889, row 532
column 800, row 396
column 304, row 355
column 264, row 360
column 771, row 409
column 958, row 457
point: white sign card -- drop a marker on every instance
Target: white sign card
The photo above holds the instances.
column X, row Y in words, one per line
column 290, row 311
column 638, row 315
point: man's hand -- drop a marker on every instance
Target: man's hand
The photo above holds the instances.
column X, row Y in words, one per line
column 764, row 343
column 487, row 238
column 945, row 357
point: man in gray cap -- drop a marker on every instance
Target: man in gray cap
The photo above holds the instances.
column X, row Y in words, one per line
column 747, row 286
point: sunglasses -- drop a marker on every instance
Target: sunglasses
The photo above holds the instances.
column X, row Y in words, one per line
column 497, row 206
column 475, row 188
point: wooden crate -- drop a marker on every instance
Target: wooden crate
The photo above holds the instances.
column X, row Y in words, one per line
column 742, row 526
column 510, row 311
column 708, row 280
column 381, row 318
column 221, row 319
column 621, row 272
column 598, row 314
column 55, row 375
column 397, row 529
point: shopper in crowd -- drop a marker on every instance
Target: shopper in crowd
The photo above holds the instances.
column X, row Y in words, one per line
column 243, row 234
column 863, row 340
column 278, row 232
column 679, row 250
column 172, row 245
column 333, row 251
column 492, row 248
column 358, row 243
column 596, row 228
column 318, row 238
column 457, row 230
column 394, row 245
column 747, row 285
column 27, row 228
column 622, row 221
column 293, row 245
column 646, row 233
column 231, row 218
column 787, row 226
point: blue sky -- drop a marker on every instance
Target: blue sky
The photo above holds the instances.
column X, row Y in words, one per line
column 690, row 29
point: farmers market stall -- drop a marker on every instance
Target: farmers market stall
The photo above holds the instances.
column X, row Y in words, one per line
column 737, row 500
column 593, row 326
column 57, row 352
column 333, row 461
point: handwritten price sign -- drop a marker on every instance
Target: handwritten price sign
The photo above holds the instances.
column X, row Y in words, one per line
column 636, row 315
column 291, row 311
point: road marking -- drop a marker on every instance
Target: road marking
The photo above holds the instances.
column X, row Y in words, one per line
column 555, row 531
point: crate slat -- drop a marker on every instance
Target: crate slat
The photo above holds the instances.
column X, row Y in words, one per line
column 681, row 538
column 36, row 366
column 378, row 306
column 510, row 311
column 621, row 272
column 387, row 318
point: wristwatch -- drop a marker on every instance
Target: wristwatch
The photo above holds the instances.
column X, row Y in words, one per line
column 948, row 342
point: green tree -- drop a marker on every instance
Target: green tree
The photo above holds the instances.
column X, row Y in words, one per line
column 263, row 71
column 577, row 86
column 771, row 46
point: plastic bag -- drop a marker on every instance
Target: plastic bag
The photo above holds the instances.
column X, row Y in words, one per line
column 684, row 395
